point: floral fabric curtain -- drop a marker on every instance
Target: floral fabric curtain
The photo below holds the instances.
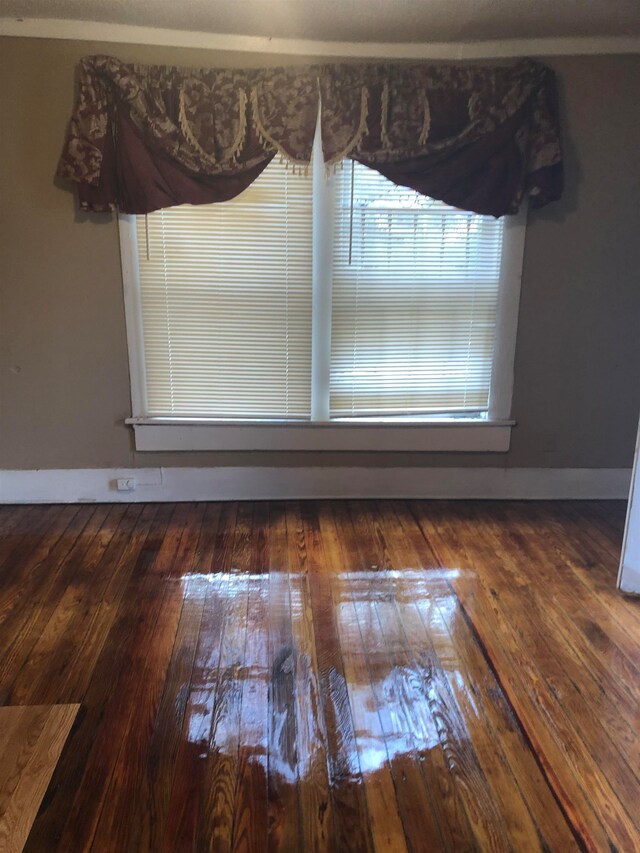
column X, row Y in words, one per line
column 146, row 137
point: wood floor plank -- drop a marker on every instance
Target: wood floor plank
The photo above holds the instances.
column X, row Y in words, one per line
column 128, row 682
column 153, row 656
column 351, row 820
column 92, row 626
column 216, row 818
column 46, row 580
column 188, row 786
column 574, row 774
column 431, row 690
column 377, row 586
column 22, row 588
column 68, row 775
column 10, row 722
column 595, row 724
column 578, row 781
column 592, row 564
column 152, row 803
column 283, row 752
column 13, row 519
column 565, row 617
column 29, row 749
column 531, row 815
column 313, row 762
column 608, row 521
column 326, row 676
column 615, row 647
column 251, row 814
column 68, row 606
column 29, row 543
column 443, row 827
column 376, row 749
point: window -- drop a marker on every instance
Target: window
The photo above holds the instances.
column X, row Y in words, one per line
column 225, row 293
column 415, row 292
column 321, row 303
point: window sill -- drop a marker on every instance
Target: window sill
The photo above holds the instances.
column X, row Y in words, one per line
column 441, row 435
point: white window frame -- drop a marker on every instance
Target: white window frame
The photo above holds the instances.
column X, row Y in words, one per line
column 491, row 433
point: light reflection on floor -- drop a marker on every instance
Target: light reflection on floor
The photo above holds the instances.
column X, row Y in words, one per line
column 371, row 610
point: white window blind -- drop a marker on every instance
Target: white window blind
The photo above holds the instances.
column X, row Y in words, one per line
column 225, row 292
column 414, row 312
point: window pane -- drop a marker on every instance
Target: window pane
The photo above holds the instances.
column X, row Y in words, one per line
column 414, row 311
column 226, row 303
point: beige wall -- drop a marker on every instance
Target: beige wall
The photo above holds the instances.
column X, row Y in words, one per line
column 63, row 363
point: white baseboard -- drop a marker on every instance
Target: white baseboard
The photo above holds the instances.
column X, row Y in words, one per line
column 214, row 484
column 629, row 574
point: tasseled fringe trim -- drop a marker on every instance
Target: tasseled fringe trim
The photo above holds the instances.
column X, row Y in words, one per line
column 295, row 166
column 384, row 116
column 426, row 122
column 230, row 154
column 360, row 132
column 334, row 167
column 302, row 166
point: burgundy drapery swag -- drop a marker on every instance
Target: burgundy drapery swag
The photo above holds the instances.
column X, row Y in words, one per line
column 479, row 138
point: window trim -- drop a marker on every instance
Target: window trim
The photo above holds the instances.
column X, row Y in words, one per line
column 482, row 434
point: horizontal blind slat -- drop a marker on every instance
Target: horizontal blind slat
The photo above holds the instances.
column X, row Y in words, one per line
column 226, row 303
column 414, row 312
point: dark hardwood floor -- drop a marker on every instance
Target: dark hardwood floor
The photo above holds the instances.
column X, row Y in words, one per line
column 374, row 675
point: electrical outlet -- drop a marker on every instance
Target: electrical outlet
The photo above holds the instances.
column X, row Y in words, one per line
column 126, row 484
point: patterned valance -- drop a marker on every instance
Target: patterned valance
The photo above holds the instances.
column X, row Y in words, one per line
column 146, row 137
